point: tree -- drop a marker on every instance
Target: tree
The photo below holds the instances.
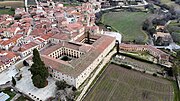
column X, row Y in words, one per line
column 38, row 70
column 38, row 81
column 178, row 55
column 150, row 7
column 159, row 41
column 61, row 85
column 17, row 17
column 177, row 2
column 151, row 31
column 145, row 25
column 176, row 64
column 13, row 81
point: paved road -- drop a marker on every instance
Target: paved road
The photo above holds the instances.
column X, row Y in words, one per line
column 113, row 7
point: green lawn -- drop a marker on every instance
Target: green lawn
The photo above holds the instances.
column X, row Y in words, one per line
column 6, row 11
column 129, row 24
column 11, row 94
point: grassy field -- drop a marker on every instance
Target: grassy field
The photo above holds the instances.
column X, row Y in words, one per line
column 6, row 11
column 120, row 84
column 129, row 24
column 12, row 3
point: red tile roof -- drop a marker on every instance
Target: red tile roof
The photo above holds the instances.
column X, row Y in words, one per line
column 11, row 40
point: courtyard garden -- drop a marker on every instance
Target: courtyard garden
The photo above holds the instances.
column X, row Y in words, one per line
column 8, row 92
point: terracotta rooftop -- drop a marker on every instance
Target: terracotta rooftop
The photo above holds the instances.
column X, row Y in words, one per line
column 5, row 56
column 61, row 36
column 25, row 47
column 13, row 39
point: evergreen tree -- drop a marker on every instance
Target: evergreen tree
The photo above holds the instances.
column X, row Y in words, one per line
column 61, row 85
column 13, row 81
column 38, row 70
column 176, row 64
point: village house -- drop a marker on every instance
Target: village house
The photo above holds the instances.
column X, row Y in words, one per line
column 10, row 32
column 7, row 58
column 7, row 43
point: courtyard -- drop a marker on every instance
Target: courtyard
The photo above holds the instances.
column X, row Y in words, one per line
column 6, row 75
column 26, row 86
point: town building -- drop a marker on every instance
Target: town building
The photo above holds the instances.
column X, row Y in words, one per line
column 74, row 61
column 161, row 56
column 7, row 58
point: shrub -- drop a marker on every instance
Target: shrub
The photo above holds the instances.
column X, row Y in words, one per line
column 154, row 74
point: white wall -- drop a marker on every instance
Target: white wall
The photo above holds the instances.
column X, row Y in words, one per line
column 86, row 73
column 60, row 76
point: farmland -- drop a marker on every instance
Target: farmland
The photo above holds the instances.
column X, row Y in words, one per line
column 120, row 84
column 129, row 24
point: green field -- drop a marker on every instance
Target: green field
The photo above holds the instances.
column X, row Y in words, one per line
column 6, row 11
column 120, row 84
column 129, row 24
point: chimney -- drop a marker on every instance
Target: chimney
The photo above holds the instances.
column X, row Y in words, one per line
column 88, row 37
column 117, row 46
